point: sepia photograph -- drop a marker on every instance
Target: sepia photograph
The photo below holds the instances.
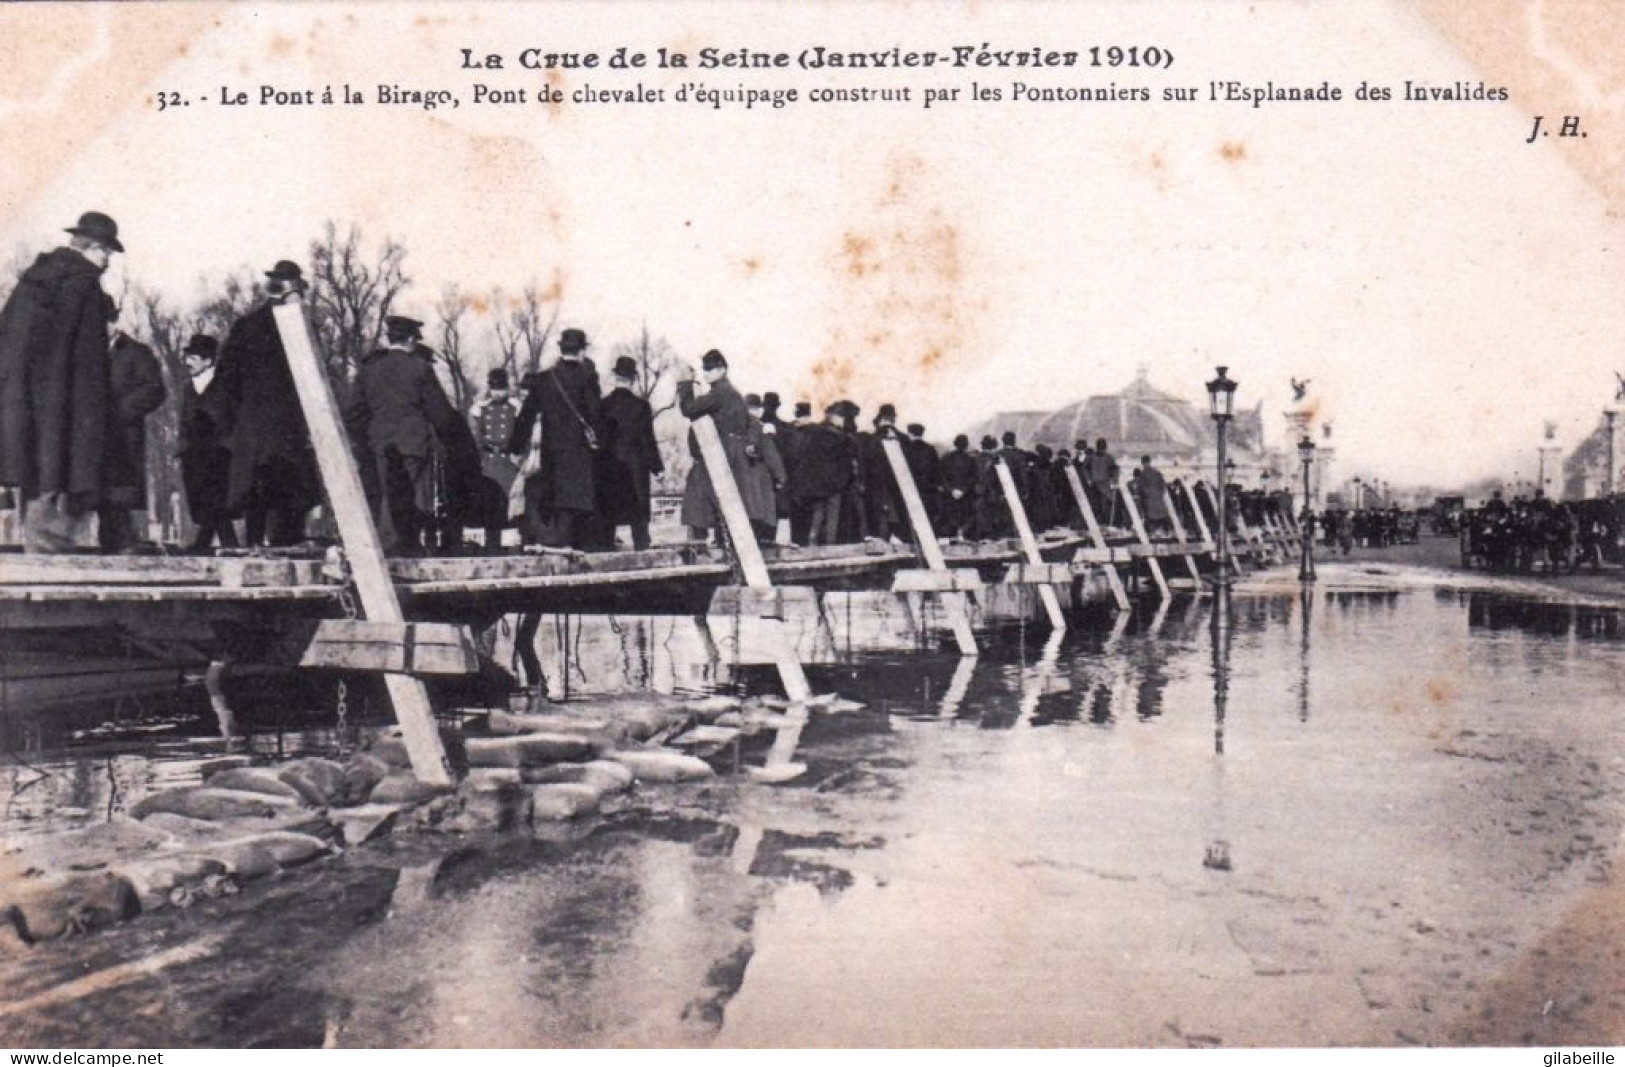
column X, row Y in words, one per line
column 669, row 524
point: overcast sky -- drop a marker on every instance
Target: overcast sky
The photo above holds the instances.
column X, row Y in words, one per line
column 1446, row 287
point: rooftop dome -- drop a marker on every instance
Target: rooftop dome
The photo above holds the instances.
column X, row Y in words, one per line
column 1139, row 420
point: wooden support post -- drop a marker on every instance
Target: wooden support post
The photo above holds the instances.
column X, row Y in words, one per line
column 1179, row 532
column 342, row 481
column 1138, row 522
column 1029, row 543
column 953, row 603
column 1201, row 519
column 747, row 554
column 1212, row 494
column 1097, row 535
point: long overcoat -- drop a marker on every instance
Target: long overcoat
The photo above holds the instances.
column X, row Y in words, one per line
column 823, row 463
column 732, row 418
column 565, row 398
column 266, row 426
column 760, row 474
column 396, row 404
column 54, row 378
column 205, row 461
column 136, row 390
column 630, row 457
column 1152, row 496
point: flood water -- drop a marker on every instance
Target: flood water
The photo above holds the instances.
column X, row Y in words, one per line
column 1345, row 817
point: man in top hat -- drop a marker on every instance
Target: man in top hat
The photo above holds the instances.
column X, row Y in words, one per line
column 493, row 423
column 632, row 456
column 274, row 482
column 561, row 497
column 762, row 475
column 992, row 514
column 885, row 511
column 54, row 392
column 727, row 409
column 854, row 517
column 397, row 415
column 205, row 460
column 958, row 478
column 791, row 435
column 135, row 389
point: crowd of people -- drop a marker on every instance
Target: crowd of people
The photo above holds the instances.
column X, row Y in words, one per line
column 1346, row 529
column 1529, row 532
column 567, row 462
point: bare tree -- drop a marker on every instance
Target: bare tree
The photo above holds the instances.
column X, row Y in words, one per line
column 226, row 302
column 351, row 292
column 657, row 369
column 16, row 263
column 449, row 312
column 164, row 328
column 521, row 333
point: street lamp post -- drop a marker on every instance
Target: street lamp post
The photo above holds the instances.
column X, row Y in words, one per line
column 1221, row 394
column 1306, row 524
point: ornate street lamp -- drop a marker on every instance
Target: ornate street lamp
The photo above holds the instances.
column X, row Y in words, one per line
column 1221, row 394
column 1306, row 564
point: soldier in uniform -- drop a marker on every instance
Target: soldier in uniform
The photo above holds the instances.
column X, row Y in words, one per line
column 632, row 457
column 493, row 423
column 205, row 461
column 135, row 389
column 561, row 498
column 958, row 471
column 397, row 413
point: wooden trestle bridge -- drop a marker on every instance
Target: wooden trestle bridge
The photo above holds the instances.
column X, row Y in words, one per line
column 415, row 617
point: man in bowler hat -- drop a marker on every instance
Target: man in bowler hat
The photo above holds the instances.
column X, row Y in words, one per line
column 205, row 461
column 561, row 497
column 632, row 456
column 273, row 482
column 55, row 406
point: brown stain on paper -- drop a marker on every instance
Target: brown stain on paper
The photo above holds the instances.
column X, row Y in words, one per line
column 1555, row 59
column 140, row 40
column 904, row 304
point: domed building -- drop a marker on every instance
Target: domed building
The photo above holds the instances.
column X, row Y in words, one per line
column 1142, row 420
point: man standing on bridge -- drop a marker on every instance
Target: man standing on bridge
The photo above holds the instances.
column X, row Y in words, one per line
column 273, row 480
column 561, row 497
column 54, row 402
column 397, row 414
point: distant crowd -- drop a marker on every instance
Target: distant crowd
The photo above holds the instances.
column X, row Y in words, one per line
column 565, row 460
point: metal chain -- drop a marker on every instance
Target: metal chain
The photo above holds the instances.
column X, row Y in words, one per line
column 343, row 725
column 347, row 602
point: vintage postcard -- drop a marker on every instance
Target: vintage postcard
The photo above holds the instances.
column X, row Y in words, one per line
column 716, row 524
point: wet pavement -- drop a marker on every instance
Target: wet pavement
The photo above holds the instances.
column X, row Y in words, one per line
column 1365, row 816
